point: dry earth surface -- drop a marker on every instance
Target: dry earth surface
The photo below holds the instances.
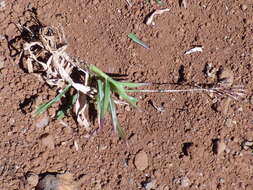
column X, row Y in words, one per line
column 195, row 143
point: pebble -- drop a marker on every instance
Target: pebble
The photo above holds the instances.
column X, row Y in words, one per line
column 48, row 182
column 227, row 76
column 2, row 4
column 48, row 141
column 230, row 123
column 57, row 182
column 1, row 63
column 141, row 160
column 244, row 7
column 221, row 146
column 150, row 185
column 33, row 179
column 247, row 145
column 42, row 121
column 183, row 181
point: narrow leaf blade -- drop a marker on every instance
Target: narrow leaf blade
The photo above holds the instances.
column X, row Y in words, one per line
column 116, row 126
column 99, row 102
column 107, row 96
column 42, row 108
column 61, row 113
column 133, row 37
column 122, row 93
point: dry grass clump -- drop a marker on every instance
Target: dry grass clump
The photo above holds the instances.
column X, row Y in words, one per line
column 45, row 51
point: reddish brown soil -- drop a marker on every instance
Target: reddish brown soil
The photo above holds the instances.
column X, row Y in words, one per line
column 97, row 33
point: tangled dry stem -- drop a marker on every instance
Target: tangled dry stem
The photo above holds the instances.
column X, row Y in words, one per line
column 49, row 53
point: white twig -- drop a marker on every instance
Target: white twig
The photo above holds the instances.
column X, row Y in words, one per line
column 129, row 3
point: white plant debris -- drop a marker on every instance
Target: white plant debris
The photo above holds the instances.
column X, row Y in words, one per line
column 1, row 63
column 76, row 145
column 58, row 66
column 150, row 20
column 129, row 3
column 183, row 3
column 193, row 50
column 158, row 108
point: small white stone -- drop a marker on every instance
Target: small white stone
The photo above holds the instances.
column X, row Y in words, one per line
column 2, row 4
column 33, row 180
column 185, row 182
column 42, row 121
column 150, row 185
column 221, row 146
column 244, row 7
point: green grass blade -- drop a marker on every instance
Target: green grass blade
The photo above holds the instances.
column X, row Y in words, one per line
column 100, row 89
column 99, row 101
column 61, row 113
column 133, row 37
column 107, row 96
column 116, row 86
column 42, row 108
column 100, row 73
column 116, row 126
column 160, row 2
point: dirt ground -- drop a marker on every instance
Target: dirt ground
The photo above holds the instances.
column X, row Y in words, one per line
column 196, row 142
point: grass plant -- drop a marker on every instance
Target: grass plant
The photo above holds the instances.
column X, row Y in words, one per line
column 44, row 49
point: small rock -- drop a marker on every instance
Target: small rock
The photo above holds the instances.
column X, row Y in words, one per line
column 141, row 160
column 244, row 7
column 48, row 141
column 222, row 180
column 42, row 121
column 57, row 182
column 11, row 121
column 218, row 146
column 48, row 182
column 150, row 185
column 67, row 182
column 247, row 145
column 230, row 123
column 225, row 107
column 2, row 4
column 33, row 179
column 221, row 146
column 185, row 182
column 1, row 63
column 226, row 76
